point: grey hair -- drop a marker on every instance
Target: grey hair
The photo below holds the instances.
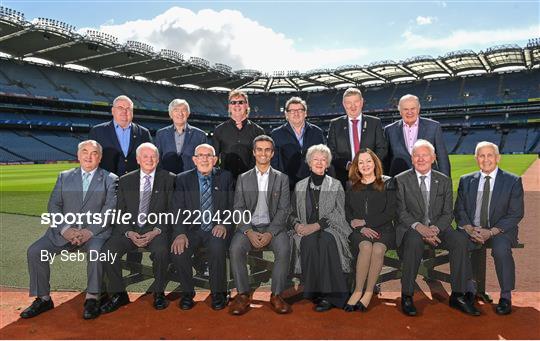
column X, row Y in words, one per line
column 205, row 145
column 319, row 148
column 295, row 100
column 177, row 102
column 352, row 92
column 407, row 98
column 92, row 142
column 423, row 143
column 123, row 98
column 147, row 145
column 483, row 144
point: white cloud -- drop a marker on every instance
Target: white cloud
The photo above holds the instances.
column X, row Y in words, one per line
column 420, row 20
column 469, row 39
column 227, row 37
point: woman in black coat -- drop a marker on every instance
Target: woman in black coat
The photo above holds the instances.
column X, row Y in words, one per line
column 370, row 208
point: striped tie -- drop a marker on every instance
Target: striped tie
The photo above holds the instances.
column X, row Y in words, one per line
column 85, row 183
column 145, row 201
column 206, row 204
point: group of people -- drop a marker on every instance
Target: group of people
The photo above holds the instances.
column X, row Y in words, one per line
column 323, row 205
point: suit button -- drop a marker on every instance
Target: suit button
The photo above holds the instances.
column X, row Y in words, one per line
column 125, row 160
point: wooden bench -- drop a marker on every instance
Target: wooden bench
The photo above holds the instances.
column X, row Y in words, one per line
column 435, row 257
column 261, row 269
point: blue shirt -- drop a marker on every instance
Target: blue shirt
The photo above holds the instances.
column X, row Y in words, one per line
column 300, row 137
column 123, row 136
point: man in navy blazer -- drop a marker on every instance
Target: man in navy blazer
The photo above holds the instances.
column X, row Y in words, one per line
column 401, row 136
column 177, row 142
column 204, row 196
column 350, row 133
column 488, row 208
column 120, row 138
column 293, row 139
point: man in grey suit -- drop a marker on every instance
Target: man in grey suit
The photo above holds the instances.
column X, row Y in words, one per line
column 85, row 190
column 401, row 136
column 489, row 208
column 424, row 208
column 264, row 192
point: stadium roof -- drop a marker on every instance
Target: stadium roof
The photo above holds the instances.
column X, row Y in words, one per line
column 59, row 43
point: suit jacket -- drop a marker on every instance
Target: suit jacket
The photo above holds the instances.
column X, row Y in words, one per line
column 169, row 159
column 129, row 198
column 277, row 199
column 187, row 199
column 289, row 156
column 506, row 208
column 371, row 137
column 113, row 159
column 410, row 204
column 398, row 158
column 67, row 197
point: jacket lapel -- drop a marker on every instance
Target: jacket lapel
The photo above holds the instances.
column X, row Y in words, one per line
column 418, row 193
column 113, row 137
column 497, row 190
column 271, row 180
column 253, row 188
column 97, row 178
column 133, row 136
column 195, row 190
column 189, row 132
column 433, row 186
column 473, row 192
column 400, row 136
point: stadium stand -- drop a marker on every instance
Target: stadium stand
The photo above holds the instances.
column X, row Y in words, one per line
column 46, row 108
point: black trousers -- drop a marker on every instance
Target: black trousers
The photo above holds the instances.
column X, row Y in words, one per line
column 321, row 269
column 120, row 245
column 412, row 249
column 216, row 248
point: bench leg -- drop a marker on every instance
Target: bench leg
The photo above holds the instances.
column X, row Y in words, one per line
column 478, row 262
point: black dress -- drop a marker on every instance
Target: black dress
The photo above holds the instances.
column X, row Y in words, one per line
column 377, row 208
column 322, row 275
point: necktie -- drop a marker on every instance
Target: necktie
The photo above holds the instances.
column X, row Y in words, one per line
column 425, row 196
column 144, row 202
column 206, row 204
column 484, row 210
column 85, row 183
column 356, row 138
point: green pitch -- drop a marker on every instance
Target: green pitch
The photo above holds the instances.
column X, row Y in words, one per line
column 25, row 189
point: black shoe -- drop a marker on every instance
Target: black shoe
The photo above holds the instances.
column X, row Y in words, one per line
column 115, row 302
column 323, row 305
column 91, row 309
column 407, row 305
column 460, row 302
column 470, row 297
column 504, row 307
column 361, row 307
column 186, row 302
column 219, row 301
column 37, row 307
column 160, row 302
column 350, row 308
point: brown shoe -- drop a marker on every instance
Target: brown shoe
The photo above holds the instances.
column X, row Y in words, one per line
column 279, row 305
column 240, row 304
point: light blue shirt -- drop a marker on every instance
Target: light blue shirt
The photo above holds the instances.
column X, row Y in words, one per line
column 123, row 136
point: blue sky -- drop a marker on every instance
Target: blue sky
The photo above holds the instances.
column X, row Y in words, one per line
column 301, row 35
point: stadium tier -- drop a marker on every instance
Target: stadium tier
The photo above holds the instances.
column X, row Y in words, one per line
column 47, row 107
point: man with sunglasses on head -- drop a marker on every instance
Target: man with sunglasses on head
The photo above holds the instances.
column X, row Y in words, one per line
column 233, row 138
column 293, row 139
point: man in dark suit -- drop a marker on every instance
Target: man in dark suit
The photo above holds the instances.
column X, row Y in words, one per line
column 488, row 209
column 401, row 136
column 264, row 192
column 207, row 193
column 234, row 137
column 293, row 139
column 177, row 142
column 424, row 208
column 142, row 194
column 120, row 138
column 81, row 190
column 350, row 133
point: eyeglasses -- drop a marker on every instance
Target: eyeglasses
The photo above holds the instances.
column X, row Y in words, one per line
column 122, row 108
column 296, row 111
column 204, row 156
column 237, row 102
